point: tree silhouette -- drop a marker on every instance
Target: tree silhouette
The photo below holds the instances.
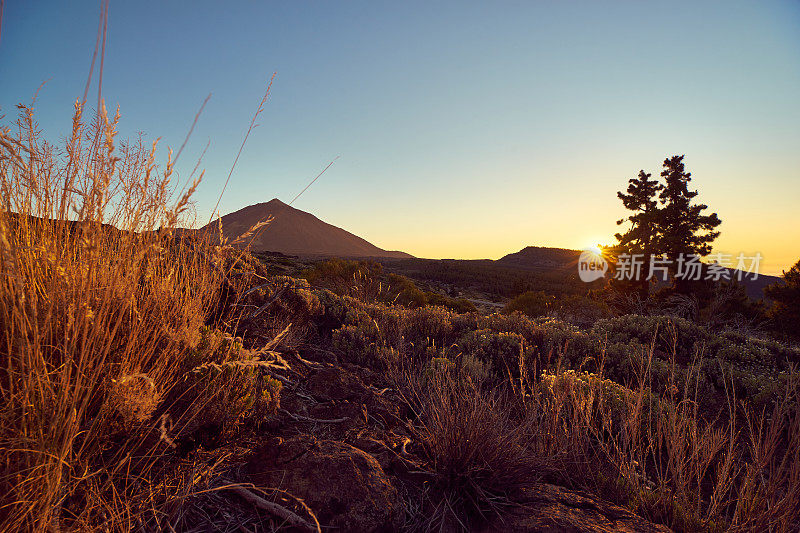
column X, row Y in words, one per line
column 641, row 199
column 641, row 237
column 682, row 227
column 665, row 220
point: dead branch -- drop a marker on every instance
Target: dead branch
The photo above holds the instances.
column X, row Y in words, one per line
column 278, row 510
column 320, row 420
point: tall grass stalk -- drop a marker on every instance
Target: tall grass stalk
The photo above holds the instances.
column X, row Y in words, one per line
column 100, row 302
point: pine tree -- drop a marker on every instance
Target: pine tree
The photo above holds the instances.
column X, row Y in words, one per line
column 641, row 236
column 641, row 199
column 665, row 220
column 681, row 225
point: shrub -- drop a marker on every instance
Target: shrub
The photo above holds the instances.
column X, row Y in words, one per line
column 475, row 369
column 660, row 457
column 216, row 397
column 457, row 305
column 352, row 278
column 478, row 453
column 581, row 310
column 358, row 345
column 368, row 282
column 533, row 304
column 672, row 335
column 502, row 352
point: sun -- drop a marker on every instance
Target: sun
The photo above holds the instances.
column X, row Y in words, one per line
column 598, row 249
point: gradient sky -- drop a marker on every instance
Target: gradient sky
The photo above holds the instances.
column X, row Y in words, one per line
column 464, row 129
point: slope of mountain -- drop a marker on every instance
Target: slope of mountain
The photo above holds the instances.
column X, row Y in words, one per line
column 296, row 232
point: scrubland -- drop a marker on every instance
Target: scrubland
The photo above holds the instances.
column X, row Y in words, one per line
column 148, row 371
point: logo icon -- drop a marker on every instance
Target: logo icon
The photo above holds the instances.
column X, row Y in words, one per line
column 591, row 265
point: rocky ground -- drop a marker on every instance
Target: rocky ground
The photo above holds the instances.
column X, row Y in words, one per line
column 342, row 445
column 341, row 452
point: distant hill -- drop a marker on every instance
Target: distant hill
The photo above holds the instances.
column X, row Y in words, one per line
column 755, row 287
column 296, row 232
column 541, row 259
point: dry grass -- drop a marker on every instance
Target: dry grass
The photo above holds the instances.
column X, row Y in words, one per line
column 666, row 459
column 659, row 456
column 477, row 451
column 96, row 322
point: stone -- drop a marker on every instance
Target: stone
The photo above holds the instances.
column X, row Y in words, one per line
column 345, row 487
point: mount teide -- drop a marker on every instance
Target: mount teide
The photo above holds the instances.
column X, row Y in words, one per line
column 296, row 232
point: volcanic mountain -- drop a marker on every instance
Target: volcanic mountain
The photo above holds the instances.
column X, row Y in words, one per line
column 296, row 232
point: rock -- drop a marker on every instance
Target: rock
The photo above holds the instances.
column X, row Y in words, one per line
column 345, row 487
column 551, row 509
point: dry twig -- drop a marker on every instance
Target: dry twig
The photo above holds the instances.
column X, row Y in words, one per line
column 278, row 510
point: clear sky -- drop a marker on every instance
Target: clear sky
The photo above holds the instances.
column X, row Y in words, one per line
column 464, row 129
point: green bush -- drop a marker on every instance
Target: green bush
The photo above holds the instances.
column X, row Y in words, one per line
column 377, row 334
column 503, row 352
column 533, row 304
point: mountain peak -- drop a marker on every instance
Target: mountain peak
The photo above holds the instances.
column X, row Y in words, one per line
column 297, row 232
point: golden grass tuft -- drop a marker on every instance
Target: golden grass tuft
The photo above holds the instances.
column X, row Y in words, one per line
column 98, row 296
